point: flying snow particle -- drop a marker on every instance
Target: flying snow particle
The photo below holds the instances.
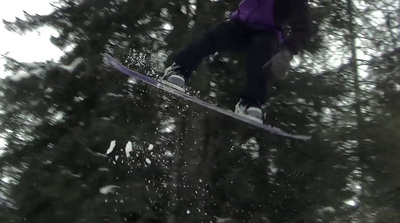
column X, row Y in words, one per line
column 148, row 161
column 128, row 149
column 108, row 189
column 112, row 146
column 150, row 147
column 169, row 153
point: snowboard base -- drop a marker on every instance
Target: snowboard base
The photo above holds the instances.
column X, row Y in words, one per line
column 161, row 85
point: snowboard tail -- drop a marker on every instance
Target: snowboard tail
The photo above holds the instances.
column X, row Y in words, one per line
column 159, row 84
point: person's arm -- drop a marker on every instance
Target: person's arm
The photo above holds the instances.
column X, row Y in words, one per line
column 300, row 27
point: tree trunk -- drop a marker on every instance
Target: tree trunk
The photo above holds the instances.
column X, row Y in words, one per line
column 360, row 175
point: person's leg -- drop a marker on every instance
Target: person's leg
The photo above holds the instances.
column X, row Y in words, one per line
column 262, row 48
column 230, row 35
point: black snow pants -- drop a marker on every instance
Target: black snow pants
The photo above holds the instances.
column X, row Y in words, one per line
column 234, row 36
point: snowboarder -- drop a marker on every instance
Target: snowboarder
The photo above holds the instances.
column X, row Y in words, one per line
column 255, row 28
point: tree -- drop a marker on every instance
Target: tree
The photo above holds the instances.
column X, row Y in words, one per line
column 173, row 161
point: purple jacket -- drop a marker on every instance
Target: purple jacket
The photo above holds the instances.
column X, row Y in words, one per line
column 273, row 15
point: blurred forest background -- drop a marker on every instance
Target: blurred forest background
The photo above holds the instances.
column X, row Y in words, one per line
column 174, row 161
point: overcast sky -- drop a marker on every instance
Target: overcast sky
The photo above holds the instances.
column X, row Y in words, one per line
column 33, row 46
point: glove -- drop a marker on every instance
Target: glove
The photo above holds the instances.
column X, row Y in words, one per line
column 280, row 64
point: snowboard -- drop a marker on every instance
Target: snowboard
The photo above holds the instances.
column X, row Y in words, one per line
column 110, row 61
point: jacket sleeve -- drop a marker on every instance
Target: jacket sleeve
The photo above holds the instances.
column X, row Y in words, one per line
column 300, row 26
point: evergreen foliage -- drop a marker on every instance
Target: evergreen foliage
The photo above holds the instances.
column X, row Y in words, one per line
column 177, row 162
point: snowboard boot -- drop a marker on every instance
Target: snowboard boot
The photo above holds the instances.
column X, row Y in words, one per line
column 251, row 111
column 173, row 78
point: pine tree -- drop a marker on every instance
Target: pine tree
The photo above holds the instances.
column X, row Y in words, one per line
column 174, row 161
